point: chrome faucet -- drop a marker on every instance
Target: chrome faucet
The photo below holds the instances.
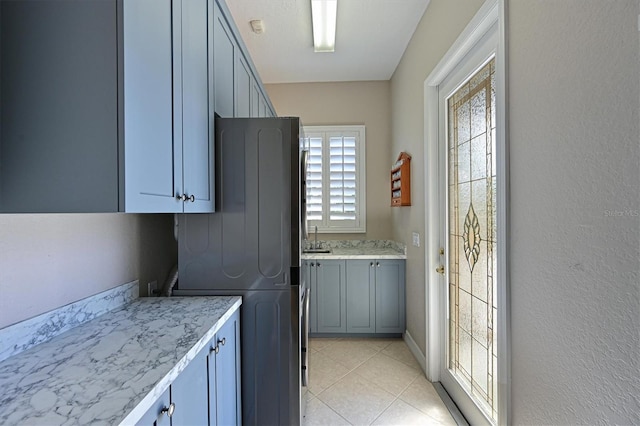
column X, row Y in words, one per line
column 315, row 244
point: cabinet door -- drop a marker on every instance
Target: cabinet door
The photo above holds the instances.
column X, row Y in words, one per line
column 262, row 107
column 243, row 87
column 390, row 296
column 189, row 393
column 59, row 114
column 361, row 296
column 197, row 116
column 331, row 296
column 152, row 177
column 224, row 51
column 227, row 372
column 155, row 415
column 255, row 99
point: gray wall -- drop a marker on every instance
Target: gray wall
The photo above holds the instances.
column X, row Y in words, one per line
column 50, row 260
column 574, row 105
column 574, row 79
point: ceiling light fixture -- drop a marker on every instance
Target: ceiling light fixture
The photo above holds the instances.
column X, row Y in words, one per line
column 323, row 15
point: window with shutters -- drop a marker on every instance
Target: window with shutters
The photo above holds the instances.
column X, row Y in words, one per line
column 336, row 178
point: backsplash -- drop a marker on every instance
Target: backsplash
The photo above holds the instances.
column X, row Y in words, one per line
column 26, row 334
column 360, row 244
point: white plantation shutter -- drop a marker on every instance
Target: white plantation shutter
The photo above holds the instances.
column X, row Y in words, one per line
column 314, row 178
column 335, row 178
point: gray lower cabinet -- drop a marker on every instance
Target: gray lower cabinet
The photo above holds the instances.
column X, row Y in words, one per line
column 223, row 366
column 361, row 296
column 207, row 391
column 390, row 296
column 186, row 401
column 158, row 415
column 328, row 284
column 357, row 296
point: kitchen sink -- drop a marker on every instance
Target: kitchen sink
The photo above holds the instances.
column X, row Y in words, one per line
column 316, row 250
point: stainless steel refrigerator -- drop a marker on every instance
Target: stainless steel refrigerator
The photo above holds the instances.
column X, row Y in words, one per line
column 251, row 247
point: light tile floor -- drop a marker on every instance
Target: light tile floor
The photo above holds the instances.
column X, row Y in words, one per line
column 369, row 382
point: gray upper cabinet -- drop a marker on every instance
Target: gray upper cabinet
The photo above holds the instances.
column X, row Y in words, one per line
column 224, row 51
column 238, row 92
column 255, row 99
column 168, row 124
column 244, row 85
column 58, row 106
column 110, row 105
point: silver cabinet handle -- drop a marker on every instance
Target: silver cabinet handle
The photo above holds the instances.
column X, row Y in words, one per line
column 371, row 264
column 378, row 264
column 313, row 264
column 169, row 410
column 318, row 264
column 182, row 197
column 192, row 198
column 222, row 341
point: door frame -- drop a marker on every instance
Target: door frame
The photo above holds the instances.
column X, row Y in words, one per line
column 490, row 13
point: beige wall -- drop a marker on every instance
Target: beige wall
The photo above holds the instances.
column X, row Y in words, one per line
column 365, row 103
column 440, row 26
column 50, row 260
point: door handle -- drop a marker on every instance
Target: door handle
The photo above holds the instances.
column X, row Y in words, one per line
column 440, row 269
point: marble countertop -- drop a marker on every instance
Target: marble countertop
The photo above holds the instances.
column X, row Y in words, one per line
column 110, row 370
column 355, row 253
column 360, row 249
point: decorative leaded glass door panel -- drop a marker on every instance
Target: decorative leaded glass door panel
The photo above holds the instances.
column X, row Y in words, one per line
column 471, row 233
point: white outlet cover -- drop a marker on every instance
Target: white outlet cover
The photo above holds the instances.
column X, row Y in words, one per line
column 416, row 239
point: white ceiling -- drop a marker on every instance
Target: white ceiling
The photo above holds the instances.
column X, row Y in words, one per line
column 371, row 37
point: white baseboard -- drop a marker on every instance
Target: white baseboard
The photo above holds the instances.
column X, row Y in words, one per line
column 415, row 350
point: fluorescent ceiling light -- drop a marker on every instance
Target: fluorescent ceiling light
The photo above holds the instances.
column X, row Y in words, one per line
column 323, row 15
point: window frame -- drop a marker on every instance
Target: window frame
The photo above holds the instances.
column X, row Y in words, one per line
column 328, row 226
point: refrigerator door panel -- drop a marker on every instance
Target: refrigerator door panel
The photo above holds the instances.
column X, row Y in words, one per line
column 271, row 197
column 253, row 242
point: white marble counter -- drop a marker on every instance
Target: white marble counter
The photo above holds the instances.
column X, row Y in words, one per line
column 111, row 369
column 360, row 249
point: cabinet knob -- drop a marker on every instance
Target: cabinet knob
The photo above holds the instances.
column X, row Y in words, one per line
column 169, row 410
column 192, row 198
column 217, row 349
column 378, row 264
column 318, row 264
column 222, row 341
column 313, row 264
column 371, row 264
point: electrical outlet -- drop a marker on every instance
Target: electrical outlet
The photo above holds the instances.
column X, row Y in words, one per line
column 416, row 239
column 152, row 288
